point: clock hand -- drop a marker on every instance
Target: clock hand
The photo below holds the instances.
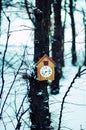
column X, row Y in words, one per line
column 46, row 71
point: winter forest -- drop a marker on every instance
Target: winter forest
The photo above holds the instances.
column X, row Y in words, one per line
column 29, row 31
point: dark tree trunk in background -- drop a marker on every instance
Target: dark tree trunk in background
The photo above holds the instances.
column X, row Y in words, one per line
column 74, row 57
column 57, row 47
column 84, row 22
column 63, row 30
column 85, row 45
column 0, row 14
column 39, row 115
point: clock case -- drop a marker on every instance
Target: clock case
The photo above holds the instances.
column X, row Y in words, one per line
column 46, row 62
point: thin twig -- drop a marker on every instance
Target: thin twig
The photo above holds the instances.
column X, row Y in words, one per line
column 21, row 105
column 12, row 85
column 65, row 95
column 4, row 124
column 19, row 120
column 3, row 59
column 10, row 119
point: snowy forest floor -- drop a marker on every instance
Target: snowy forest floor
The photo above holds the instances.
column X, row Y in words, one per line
column 75, row 104
column 74, row 111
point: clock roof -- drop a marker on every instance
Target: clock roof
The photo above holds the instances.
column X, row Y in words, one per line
column 46, row 57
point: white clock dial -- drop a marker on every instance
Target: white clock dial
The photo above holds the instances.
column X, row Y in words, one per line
column 45, row 71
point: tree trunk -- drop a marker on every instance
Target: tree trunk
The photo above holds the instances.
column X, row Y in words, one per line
column 57, row 47
column 40, row 116
column 74, row 57
column 85, row 47
column 0, row 14
column 84, row 22
column 41, row 43
column 63, row 30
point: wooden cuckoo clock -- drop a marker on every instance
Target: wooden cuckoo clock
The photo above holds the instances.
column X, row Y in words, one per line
column 45, row 68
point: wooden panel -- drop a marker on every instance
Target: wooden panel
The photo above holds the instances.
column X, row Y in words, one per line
column 45, row 61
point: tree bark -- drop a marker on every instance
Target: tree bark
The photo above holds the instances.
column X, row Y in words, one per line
column 41, row 43
column 40, row 115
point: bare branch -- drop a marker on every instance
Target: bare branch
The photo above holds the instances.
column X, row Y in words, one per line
column 21, row 105
column 4, row 124
column 78, row 74
column 3, row 59
column 19, row 119
column 12, row 85
column 10, row 119
column 28, row 12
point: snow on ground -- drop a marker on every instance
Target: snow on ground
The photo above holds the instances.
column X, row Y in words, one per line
column 74, row 113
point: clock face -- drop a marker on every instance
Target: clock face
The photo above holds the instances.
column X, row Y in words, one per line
column 45, row 71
